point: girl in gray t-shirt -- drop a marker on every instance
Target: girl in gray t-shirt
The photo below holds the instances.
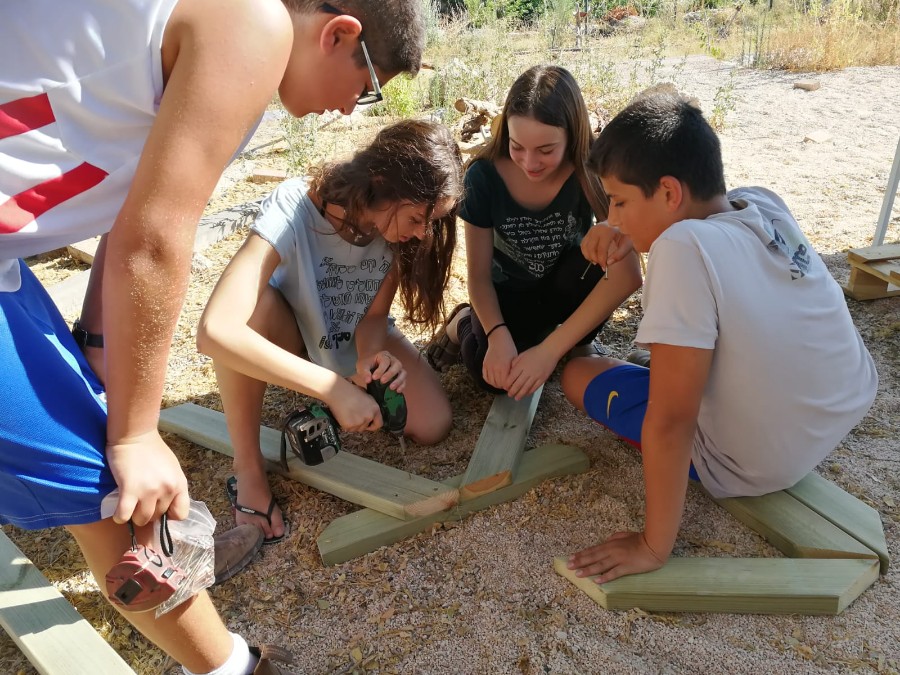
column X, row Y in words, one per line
column 304, row 304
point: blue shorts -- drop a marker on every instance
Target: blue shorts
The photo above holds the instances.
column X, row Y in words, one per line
column 617, row 399
column 53, row 468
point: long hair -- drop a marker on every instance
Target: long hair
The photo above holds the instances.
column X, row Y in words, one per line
column 550, row 95
column 411, row 161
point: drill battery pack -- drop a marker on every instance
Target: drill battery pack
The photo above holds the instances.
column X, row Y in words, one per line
column 311, row 434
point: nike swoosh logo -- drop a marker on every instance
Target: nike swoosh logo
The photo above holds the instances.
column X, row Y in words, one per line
column 612, row 395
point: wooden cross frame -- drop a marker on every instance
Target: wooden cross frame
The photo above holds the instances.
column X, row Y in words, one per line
column 835, row 544
column 398, row 504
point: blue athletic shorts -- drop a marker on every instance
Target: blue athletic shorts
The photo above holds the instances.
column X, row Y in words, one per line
column 617, row 399
column 53, row 467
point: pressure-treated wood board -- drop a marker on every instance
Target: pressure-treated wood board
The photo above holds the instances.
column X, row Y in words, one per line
column 794, row 529
column 500, row 445
column 845, row 511
column 396, row 493
column 735, row 585
column 871, row 254
column 84, row 250
column 870, row 281
column 48, row 630
column 364, row 531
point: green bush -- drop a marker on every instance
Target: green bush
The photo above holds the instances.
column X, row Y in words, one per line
column 403, row 97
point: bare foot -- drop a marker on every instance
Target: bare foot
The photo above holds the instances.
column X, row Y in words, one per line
column 254, row 493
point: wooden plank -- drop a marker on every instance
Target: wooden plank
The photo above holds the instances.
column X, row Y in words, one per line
column 842, row 509
column 883, row 270
column 500, row 445
column 84, row 250
column 364, row 531
column 52, row 635
column 865, row 286
column 398, row 494
column 735, row 585
column 794, row 529
column 871, row 254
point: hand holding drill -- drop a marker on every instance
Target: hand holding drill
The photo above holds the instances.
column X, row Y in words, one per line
column 312, row 434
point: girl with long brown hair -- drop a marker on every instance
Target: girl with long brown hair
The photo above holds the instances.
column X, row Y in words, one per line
column 304, row 304
column 529, row 210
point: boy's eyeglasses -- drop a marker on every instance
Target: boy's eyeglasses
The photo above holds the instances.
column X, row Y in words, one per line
column 367, row 95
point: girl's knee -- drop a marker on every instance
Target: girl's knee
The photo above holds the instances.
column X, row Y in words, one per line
column 574, row 380
column 433, row 427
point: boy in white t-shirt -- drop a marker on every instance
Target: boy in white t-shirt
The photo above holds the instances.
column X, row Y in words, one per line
column 757, row 369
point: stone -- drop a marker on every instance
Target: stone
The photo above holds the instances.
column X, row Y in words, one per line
column 807, row 85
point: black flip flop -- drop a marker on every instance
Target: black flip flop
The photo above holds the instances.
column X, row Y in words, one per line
column 231, row 491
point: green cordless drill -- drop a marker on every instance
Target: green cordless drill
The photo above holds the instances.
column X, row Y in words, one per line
column 311, row 434
column 393, row 408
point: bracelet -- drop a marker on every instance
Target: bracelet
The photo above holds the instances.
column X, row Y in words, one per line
column 84, row 339
column 499, row 325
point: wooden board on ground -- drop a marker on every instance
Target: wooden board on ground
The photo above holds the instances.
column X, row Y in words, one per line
column 500, row 445
column 364, row 531
column 84, row 250
column 871, row 254
column 52, row 635
column 845, row 511
column 735, row 585
column 874, row 272
column 398, row 494
column 794, row 529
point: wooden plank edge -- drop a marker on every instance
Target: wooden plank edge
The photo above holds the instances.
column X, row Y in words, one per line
column 874, row 253
column 882, row 270
column 66, row 642
column 473, row 483
column 485, row 485
column 399, row 494
column 844, row 511
column 751, row 512
column 827, row 598
column 366, row 530
column 863, row 296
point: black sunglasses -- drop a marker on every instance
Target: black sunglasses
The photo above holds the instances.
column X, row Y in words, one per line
column 367, row 95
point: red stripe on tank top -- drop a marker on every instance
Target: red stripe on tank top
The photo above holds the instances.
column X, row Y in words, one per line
column 25, row 114
column 21, row 209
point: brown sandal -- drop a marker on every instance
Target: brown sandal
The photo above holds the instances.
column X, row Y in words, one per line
column 442, row 352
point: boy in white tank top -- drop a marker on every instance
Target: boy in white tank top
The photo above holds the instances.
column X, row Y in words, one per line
column 118, row 117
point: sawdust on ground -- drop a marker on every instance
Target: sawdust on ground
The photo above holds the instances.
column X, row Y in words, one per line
column 480, row 596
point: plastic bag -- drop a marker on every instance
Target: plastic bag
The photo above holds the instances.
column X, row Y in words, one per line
column 193, row 548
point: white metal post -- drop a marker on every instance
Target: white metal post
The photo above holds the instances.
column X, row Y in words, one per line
column 888, row 203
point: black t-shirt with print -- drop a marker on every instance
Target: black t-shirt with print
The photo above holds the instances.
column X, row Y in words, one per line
column 527, row 244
